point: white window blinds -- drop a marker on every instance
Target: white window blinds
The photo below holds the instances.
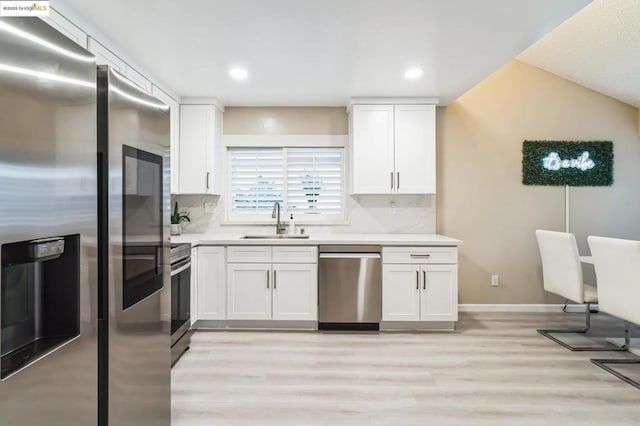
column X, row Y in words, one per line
column 314, row 181
column 306, row 181
column 257, row 180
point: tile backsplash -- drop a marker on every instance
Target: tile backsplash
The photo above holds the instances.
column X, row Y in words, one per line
column 365, row 214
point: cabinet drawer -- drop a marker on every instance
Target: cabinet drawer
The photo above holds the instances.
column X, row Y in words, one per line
column 295, row 254
column 420, row 255
column 249, row 254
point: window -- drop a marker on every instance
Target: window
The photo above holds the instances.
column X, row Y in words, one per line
column 307, row 182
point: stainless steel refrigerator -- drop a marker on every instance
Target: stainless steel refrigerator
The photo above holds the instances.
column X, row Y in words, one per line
column 48, row 234
column 134, row 267
column 84, row 238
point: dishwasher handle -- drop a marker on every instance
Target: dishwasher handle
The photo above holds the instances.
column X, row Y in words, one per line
column 350, row 256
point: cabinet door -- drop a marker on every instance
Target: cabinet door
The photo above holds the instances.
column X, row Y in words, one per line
column 372, row 149
column 197, row 124
column 400, row 292
column 105, row 56
column 415, row 149
column 137, row 78
column 295, row 292
column 439, row 298
column 174, row 136
column 248, row 291
column 211, row 291
column 66, row 27
column 215, row 155
column 194, row 285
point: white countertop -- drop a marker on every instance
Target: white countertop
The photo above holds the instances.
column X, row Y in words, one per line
column 320, row 239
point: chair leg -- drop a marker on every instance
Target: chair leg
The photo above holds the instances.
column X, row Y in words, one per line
column 587, row 325
column 602, row 363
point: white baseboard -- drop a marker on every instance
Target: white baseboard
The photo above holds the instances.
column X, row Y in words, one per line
column 504, row 307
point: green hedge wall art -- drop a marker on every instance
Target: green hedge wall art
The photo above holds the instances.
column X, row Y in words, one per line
column 573, row 163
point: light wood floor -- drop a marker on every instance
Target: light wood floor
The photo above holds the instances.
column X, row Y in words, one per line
column 494, row 370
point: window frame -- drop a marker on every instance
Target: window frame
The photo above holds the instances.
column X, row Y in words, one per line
column 232, row 218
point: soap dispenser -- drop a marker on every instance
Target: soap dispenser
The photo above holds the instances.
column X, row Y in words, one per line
column 292, row 226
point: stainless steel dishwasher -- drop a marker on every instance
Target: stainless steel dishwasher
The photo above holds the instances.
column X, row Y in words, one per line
column 350, row 287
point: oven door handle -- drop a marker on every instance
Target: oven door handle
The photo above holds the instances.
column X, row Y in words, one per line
column 180, row 267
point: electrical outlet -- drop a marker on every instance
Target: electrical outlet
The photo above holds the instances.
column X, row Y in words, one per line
column 392, row 207
column 495, row 281
column 209, row 208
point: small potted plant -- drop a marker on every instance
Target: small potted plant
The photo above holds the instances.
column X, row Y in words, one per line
column 176, row 220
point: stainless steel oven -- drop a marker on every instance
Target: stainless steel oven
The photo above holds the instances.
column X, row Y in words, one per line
column 180, row 299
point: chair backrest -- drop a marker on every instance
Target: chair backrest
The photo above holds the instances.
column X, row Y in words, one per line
column 617, row 264
column 561, row 268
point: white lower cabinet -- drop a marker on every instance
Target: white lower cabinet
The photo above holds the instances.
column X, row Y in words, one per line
column 400, row 293
column 295, row 292
column 420, row 292
column 259, row 291
column 439, row 297
column 212, row 283
column 248, row 291
column 272, row 283
column 194, row 286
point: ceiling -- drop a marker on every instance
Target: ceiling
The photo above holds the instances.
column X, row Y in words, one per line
column 321, row 52
column 599, row 48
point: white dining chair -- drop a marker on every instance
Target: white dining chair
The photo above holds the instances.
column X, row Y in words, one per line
column 562, row 275
column 617, row 264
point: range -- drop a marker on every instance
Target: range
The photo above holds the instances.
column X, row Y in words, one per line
column 180, row 299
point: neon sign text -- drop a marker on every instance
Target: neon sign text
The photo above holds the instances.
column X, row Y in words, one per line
column 554, row 162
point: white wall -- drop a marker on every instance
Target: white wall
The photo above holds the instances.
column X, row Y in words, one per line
column 481, row 197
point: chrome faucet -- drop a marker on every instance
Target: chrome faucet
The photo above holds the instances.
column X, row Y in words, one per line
column 275, row 214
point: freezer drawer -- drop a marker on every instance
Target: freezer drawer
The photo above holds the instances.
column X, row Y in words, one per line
column 350, row 287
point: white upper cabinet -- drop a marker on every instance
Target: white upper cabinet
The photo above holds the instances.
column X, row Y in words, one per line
column 393, row 149
column 174, row 135
column 66, row 27
column 415, row 153
column 138, row 78
column 372, row 149
column 200, row 157
column 105, row 56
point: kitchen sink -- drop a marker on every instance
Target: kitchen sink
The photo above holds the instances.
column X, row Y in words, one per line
column 275, row 236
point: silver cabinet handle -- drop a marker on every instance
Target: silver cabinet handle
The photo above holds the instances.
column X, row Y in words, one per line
column 420, row 255
column 424, row 280
column 417, row 280
column 267, row 278
column 398, row 181
column 207, row 181
column 274, row 279
column 391, row 174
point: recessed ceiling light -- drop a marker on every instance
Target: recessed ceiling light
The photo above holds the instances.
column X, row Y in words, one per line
column 238, row 73
column 413, row 73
